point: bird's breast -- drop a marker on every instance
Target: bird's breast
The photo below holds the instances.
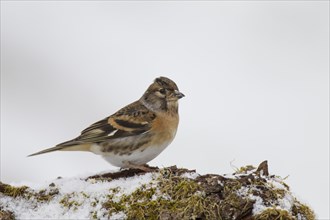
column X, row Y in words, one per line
column 164, row 128
column 142, row 148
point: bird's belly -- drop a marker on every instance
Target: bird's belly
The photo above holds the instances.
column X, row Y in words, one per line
column 137, row 157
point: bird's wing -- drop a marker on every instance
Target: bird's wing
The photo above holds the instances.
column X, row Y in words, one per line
column 131, row 120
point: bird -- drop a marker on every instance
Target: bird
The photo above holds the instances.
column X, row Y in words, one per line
column 135, row 134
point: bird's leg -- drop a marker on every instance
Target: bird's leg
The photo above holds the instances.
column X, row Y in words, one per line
column 143, row 167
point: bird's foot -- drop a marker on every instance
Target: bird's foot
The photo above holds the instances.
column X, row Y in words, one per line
column 143, row 167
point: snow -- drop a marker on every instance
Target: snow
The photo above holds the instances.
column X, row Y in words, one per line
column 238, row 175
column 277, row 183
column 190, row 175
column 284, row 203
column 258, row 206
column 119, row 215
column 84, row 196
column 79, row 198
column 88, row 195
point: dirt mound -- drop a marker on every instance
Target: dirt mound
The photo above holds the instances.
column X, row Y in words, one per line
column 167, row 193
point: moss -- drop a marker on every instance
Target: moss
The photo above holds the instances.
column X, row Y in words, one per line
column 114, row 207
column 85, row 195
column 110, row 205
column 12, row 191
column 94, row 215
column 303, row 211
column 95, row 202
column 68, row 202
column 46, row 195
column 27, row 193
column 172, row 197
column 233, row 206
column 274, row 214
column 6, row 215
column 244, row 169
column 169, row 195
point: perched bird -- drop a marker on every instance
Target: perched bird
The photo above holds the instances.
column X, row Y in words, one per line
column 135, row 134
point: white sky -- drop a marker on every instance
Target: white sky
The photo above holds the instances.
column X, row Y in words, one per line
column 255, row 76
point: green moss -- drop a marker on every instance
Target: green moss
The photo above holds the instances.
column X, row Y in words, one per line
column 27, row 193
column 84, row 195
column 13, row 191
column 303, row 210
column 68, row 202
column 6, row 215
column 244, row 170
column 94, row 215
column 274, row 214
column 114, row 207
column 172, row 197
column 45, row 195
column 169, row 195
column 95, row 202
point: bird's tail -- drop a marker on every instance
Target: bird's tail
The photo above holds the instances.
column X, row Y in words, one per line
column 80, row 147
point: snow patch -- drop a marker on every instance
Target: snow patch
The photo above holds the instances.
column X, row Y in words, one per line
column 83, row 197
column 190, row 175
column 259, row 206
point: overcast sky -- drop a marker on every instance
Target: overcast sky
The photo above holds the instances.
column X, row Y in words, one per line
column 255, row 76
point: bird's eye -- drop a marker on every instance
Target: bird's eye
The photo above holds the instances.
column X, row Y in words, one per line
column 162, row 91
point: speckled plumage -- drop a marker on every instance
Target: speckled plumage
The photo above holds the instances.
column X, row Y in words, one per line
column 135, row 134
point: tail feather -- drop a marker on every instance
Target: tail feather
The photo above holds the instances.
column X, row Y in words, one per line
column 81, row 147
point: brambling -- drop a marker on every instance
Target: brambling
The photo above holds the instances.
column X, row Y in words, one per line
column 135, row 134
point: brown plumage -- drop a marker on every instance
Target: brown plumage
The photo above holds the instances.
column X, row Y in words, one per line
column 135, row 134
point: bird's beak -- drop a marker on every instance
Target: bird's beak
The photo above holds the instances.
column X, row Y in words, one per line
column 179, row 94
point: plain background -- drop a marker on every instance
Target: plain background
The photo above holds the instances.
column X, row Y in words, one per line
column 255, row 76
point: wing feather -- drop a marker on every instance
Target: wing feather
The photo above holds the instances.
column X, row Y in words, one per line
column 131, row 120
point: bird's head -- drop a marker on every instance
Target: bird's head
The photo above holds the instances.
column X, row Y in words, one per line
column 162, row 95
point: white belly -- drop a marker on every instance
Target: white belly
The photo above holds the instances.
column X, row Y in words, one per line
column 137, row 157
